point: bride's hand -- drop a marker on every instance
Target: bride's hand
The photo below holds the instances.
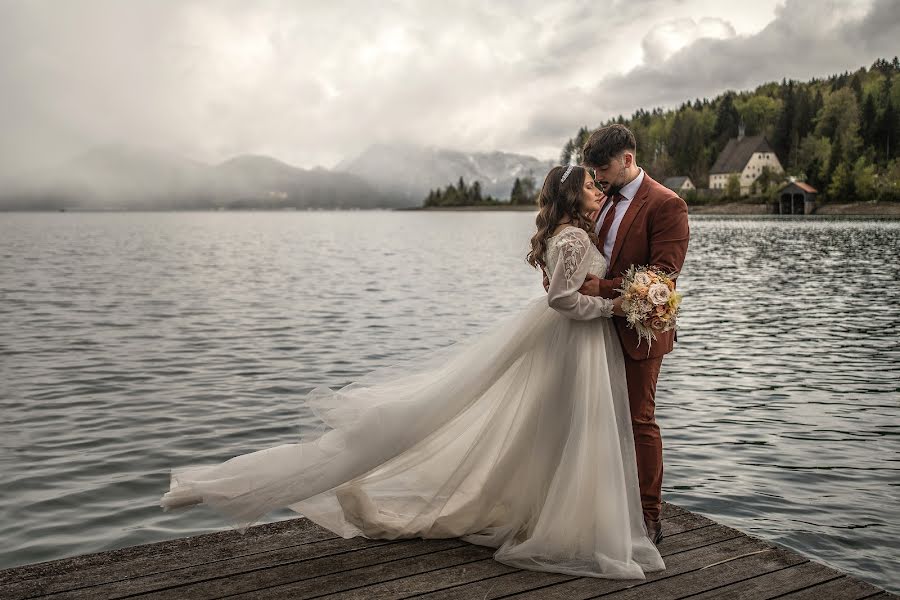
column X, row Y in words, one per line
column 617, row 307
column 591, row 285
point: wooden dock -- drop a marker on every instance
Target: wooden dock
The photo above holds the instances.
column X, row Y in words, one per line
column 298, row 559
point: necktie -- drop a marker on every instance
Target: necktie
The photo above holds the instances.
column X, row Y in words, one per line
column 608, row 221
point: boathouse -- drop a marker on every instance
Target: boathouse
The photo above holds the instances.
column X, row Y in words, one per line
column 796, row 198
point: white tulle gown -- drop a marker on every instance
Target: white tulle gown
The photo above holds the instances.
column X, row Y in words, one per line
column 519, row 439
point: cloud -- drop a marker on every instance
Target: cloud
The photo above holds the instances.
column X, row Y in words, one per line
column 805, row 40
column 313, row 83
column 667, row 38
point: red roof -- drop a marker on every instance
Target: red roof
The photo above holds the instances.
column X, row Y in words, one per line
column 806, row 187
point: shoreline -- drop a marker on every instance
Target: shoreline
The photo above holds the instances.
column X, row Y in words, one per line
column 862, row 209
column 485, row 208
column 735, row 209
column 725, row 209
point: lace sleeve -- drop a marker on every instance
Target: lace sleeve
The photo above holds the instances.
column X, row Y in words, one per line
column 569, row 273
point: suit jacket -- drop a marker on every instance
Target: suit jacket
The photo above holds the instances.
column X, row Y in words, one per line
column 653, row 232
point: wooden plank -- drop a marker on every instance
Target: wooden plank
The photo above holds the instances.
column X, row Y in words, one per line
column 141, row 562
column 498, row 586
column 684, row 522
column 696, row 538
column 582, row 588
column 298, row 559
column 844, row 588
column 499, row 581
column 671, row 510
column 713, row 576
column 367, row 576
column 196, row 574
column 426, row 582
column 94, row 569
column 774, row 584
column 339, row 571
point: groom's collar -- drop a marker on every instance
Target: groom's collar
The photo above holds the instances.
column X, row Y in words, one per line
column 629, row 190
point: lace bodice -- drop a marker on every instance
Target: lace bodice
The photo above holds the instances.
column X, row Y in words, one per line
column 570, row 256
column 570, row 239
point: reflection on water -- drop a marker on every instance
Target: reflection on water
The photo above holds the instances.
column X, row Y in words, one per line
column 130, row 343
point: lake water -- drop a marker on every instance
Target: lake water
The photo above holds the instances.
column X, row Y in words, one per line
column 132, row 343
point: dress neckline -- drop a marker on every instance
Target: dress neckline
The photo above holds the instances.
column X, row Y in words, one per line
column 564, row 229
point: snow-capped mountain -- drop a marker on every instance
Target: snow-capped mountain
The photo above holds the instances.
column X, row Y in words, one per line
column 409, row 171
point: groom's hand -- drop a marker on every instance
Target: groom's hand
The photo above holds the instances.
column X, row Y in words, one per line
column 591, row 286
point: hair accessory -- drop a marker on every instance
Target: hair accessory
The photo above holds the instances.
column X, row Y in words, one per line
column 566, row 174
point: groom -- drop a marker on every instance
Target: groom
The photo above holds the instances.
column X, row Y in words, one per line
column 641, row 223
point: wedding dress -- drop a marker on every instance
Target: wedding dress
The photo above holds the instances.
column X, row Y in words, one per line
column 519, row 439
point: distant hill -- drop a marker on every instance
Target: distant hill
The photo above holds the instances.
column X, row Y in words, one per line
column 260, row 181
column 409, row 172
column 119, row 177
column 122, row 177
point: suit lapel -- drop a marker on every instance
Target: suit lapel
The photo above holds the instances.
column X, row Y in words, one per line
column 640, row 198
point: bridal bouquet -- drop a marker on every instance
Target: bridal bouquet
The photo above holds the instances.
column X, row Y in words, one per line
column 650, row 302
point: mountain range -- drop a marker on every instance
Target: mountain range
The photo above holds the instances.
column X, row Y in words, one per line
column 410, row 172
column 122, row 177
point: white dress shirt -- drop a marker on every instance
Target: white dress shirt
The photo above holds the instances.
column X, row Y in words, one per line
column 627, row 192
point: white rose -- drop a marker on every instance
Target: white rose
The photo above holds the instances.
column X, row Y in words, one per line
column 658, row 293
column 642, row 279
column 644, row 307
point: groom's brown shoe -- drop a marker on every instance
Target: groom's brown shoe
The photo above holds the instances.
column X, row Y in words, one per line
column 654, row 531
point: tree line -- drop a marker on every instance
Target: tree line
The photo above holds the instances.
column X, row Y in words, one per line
column 840, row 134
column 524, row 191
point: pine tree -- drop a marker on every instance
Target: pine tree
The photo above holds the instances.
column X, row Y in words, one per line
column 727, row 121
column 868, row 121
column 515, row 196
column 476, row 193
column 886, row 133
column 529, row 190
column 781, row 139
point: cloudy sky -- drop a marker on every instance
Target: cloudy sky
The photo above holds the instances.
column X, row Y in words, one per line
column 312, row 82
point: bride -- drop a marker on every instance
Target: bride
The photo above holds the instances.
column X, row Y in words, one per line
column 519, row 439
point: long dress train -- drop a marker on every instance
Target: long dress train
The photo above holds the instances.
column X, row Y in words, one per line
column 519, row 439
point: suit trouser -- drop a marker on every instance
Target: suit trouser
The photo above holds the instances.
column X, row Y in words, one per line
column 641, row 377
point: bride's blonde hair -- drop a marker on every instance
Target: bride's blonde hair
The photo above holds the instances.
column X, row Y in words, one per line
column 558, row 200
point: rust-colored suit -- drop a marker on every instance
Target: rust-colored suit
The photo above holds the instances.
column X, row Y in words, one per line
column 654, row 231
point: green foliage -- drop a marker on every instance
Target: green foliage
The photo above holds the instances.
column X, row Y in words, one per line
column 759, row 114
column 524, row 191
column 841, row 186
column 459, row 195
column 839, row 121
column 864, row 178
column 887, row 187
column 841, row 134
column 733, row 188
column 814, row 160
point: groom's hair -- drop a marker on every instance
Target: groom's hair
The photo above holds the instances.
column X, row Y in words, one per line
column 607, row 143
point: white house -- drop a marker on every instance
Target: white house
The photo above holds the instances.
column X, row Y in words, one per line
column 744, row 157
column 679, row 184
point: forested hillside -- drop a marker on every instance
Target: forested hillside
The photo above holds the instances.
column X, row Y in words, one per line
column 840, row 134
